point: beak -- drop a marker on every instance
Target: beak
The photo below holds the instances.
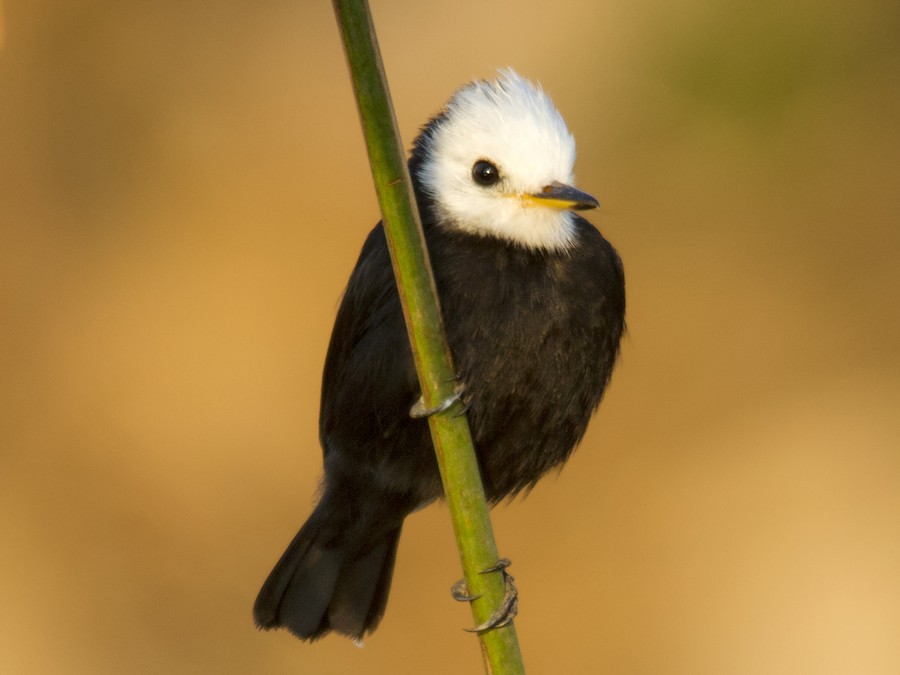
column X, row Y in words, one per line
column 559, row 196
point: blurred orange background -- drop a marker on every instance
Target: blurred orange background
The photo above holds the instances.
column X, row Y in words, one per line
column 183, row 193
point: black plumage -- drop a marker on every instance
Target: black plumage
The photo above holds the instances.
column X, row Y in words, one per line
column 534, row 334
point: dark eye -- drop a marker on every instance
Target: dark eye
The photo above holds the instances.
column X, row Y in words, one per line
column 485, row 173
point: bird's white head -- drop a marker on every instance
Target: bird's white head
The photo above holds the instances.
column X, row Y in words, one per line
column 498, row 162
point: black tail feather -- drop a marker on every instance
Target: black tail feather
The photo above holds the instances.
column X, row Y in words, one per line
column 360, row 597
column 320, row 585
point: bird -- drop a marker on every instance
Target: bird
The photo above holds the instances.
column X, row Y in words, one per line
column 533, row 303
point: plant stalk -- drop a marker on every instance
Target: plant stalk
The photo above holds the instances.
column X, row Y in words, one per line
column 449, row 429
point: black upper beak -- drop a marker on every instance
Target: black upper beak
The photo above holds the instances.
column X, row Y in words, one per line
column 560, row 196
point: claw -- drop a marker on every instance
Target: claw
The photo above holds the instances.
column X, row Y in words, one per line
column 419, row 410
column 508, row 608
column 466, row 404
column 499, row 566
column 460, row 592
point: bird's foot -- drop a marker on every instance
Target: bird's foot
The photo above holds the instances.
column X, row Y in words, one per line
column 419, row 410
column 508, row 608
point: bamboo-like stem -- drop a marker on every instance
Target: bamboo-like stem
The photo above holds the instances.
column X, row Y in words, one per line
column 449, row 430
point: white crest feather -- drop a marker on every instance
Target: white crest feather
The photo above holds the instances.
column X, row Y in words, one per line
column 513, row 124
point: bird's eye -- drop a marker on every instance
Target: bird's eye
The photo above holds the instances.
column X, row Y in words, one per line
column 485, row 173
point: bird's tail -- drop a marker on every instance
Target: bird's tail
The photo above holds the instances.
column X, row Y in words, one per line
column 322, row 583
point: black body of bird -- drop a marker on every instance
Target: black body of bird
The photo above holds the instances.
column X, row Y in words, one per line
column 533, row 323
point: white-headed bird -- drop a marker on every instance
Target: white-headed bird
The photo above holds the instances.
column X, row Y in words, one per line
column 533, row 302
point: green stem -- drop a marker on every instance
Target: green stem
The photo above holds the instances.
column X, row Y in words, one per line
column 449, row 430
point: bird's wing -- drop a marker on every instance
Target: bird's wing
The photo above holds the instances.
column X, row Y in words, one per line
column 369, row 380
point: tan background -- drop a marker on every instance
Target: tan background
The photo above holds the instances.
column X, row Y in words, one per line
column 184, row 193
